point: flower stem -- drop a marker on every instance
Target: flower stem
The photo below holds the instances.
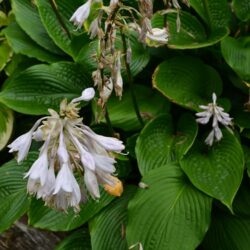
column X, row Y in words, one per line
column 59, row 18
column 108, row 121
column 130, row 80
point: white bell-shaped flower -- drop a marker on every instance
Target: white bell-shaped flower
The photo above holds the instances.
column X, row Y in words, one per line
column 38, row 171
column 21, row 145
column 109, row 143
column 91, row 183
column 81, row 14
column 45, row 192
column 67, row 191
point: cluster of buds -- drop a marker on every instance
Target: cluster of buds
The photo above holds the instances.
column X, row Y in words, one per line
column 212, row 110
column 70, row 150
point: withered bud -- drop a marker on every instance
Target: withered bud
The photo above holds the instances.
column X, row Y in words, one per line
column 146, row 8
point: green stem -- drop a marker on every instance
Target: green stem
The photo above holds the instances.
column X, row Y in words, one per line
column 59, row 18
column 130, row 80
column 108, row 121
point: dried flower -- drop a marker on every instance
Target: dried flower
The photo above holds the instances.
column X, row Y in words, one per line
column 113, row 3
column 218, row 115
column 118, row 82
column 106, row 90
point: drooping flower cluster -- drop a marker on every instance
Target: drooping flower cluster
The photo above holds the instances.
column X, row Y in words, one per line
column 70, row 150
column 212, row 110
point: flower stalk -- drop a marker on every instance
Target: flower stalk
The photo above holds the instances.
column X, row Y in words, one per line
column 130, row 79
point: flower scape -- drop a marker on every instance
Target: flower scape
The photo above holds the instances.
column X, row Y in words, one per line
column 69, row 149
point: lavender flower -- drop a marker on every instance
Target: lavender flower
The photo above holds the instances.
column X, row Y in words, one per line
column 212, row 110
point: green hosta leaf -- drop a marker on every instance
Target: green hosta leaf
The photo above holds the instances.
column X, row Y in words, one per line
column 43, row 217
column 247, row 158
column 78, row 240
column 215, row 13
column 18, row 64
column 13, row 197
column 27, row 16
column 241, row 204
column 107, row 229
column 57, row 23
column 122, row 112
column 218, row 170
column 5, row 52
column 237, row 55
column 140, row 56
column 159, row 142
column 6, row 125
column 21, row 43
column 192, row 33
column 3, row 18
column 171, row 214
column 227, row 232
column 40, row 87
column 242, row 9
column 241, row 117
column 187, row 81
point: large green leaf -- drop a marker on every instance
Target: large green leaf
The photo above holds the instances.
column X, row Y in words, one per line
column 6, row 53
column 218, row 170
column 6, row 125
column 21, row 43
column 215, row 13
column 140, row 56
column 56, row 22
column 170, row 214
column 159, row 142
column 227, row 232
column 241, row 204
column 187, row 81
column 107, row 229
column 192, row 33
column 28, row 18
column 13, row 197
column 122, row 112
column 40, row 87
column 242, row 9
column 43, row 217
column 78, row 240
column 237, row 55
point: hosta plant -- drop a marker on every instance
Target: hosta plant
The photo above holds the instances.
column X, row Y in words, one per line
column 126, row 124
